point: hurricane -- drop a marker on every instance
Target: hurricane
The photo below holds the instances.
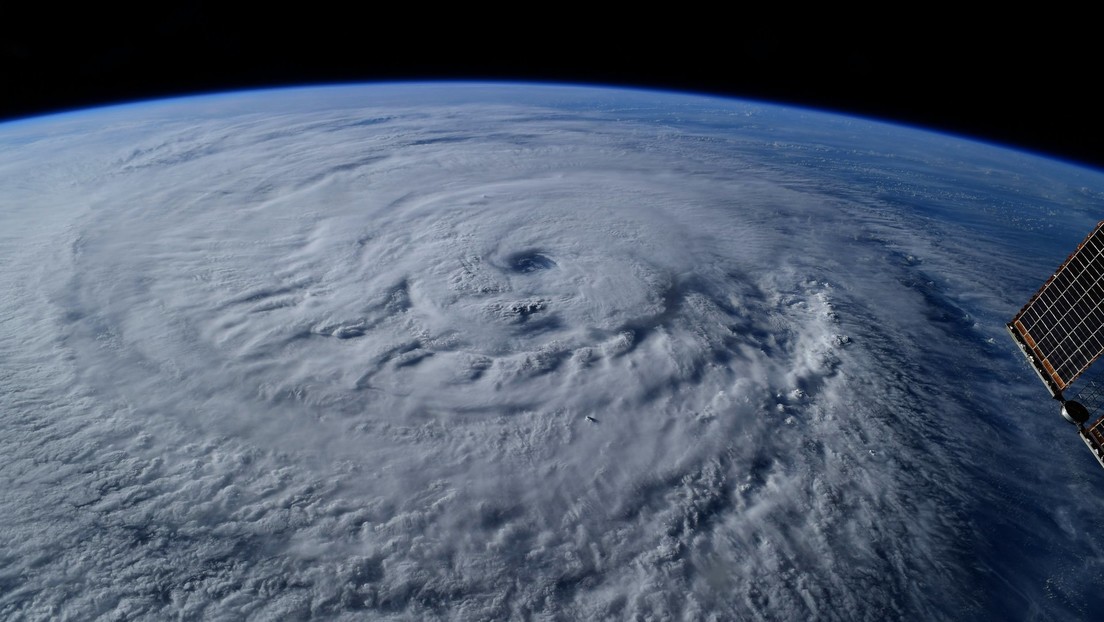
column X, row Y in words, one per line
column 470, row 351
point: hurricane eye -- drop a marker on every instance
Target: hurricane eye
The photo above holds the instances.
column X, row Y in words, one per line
column 525, row 263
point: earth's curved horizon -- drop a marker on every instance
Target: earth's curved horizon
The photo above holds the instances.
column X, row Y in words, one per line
column 493, row 351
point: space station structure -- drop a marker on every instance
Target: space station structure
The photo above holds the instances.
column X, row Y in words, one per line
column 1061, row 332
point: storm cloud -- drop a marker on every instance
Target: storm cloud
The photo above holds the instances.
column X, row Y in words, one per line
column 330, row 353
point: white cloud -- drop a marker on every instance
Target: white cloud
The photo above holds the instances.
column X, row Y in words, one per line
column 275, row 362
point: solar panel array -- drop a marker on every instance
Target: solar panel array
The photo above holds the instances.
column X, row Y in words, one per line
column 1091, row 393
column 1062, row 326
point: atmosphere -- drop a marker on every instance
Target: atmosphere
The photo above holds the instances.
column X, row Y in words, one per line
column 1027, row 82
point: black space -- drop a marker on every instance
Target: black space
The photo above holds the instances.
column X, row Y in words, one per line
column 1032, row 84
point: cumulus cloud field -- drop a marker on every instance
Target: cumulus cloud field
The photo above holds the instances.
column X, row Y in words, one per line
column 470, row 352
